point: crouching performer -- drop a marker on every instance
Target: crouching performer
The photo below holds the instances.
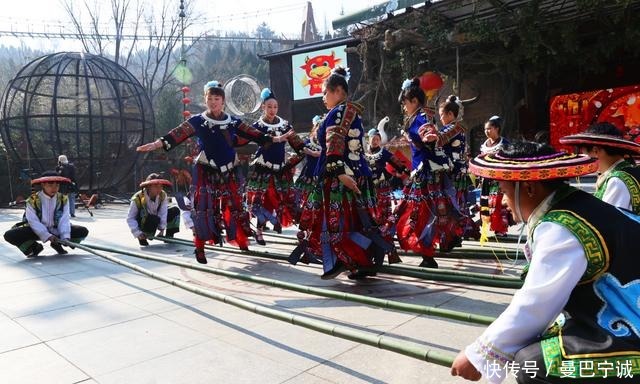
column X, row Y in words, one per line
column 149, row 211
column 46, row 218
column 575, row 319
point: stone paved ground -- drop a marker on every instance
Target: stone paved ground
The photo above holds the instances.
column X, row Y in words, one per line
column 78, row 318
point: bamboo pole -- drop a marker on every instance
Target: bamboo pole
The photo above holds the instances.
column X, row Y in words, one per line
column 382, row 303
column 421, row 273
column 405, row 348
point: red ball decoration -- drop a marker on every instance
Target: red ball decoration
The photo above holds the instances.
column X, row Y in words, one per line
column 430, row 81
column 186, row 113
column 185, row 89
column 186, row 100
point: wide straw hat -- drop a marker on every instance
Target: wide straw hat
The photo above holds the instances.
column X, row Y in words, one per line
column 558, row 165
column 589, row 139
column 155, row 179
column 50, row 177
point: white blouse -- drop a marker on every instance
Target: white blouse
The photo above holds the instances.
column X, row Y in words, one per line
column 557, row 262
column 154, row 207
column 44, row 228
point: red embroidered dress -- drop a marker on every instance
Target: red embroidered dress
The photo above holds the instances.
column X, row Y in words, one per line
column 217, row 203
column 335, row 222
column 269, row 193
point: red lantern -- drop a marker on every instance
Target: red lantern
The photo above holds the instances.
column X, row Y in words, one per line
column 186, row 100
column 186, row 114
column 185, row 89
column 430, row 81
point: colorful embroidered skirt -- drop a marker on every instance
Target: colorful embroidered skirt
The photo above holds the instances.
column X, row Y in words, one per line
column 270, row 196
column 340, row 225
column 426, row 215
column 217, row 207
column 493, row 208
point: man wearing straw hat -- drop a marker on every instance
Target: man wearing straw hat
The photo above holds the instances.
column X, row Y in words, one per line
column 46, row 218
column 149, row 211
column 576, row 317
column 618, row 178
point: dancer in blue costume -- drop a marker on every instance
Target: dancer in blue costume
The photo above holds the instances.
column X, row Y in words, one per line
column 217, row 204
column 338, row 218
column 269, row 193
column 452, row 140
column 308, row 177
column 423, row 217
column 378, row 158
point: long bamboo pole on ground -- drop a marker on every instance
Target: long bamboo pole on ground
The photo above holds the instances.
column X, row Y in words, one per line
column 474, row 252
column 421, row 273
column 405, row 348
column 382, row 303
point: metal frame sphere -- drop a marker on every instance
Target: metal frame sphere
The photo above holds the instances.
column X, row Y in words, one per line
column 81, row 105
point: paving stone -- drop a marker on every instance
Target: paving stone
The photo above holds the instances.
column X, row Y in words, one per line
column 38, row 364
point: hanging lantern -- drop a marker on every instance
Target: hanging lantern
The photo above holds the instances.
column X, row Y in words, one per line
column 430, row 83
column 186, row 114
column 186, row 100
column 185, row 89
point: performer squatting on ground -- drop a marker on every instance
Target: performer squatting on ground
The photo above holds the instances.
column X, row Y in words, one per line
column 378, row 158
column 425, row 215
column 618, row 180
column 269, row 194
column 493, row 211
column 149, row 211
column 575, row 318
column 217, row 204
column 338, row 218
column 46, row 218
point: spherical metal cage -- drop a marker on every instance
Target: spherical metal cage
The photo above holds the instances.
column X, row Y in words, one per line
column 86, row 107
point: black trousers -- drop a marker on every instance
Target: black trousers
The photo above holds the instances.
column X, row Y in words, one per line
column 24, row 237
column 153, row 221
column 532, row 354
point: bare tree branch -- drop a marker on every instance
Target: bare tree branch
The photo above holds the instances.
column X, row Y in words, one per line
column 81, row 35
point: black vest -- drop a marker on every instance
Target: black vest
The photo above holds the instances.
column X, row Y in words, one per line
column 610, row 241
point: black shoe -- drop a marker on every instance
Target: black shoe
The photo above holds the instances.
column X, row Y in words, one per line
column 202, row 259
column 278, row 228
column 359, row 275
column 457, row 242
column 428, row 262
column 59, row 249
column 337, row 269
column 34, row 250
column 170, row 234
column 73, row 215
column 259, row 239
column 393, row 257
column 143, row 242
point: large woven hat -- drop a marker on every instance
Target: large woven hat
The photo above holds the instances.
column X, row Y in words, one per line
column 584, row 139
column 155, row 179
column 558, row 165
column 50, row 177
